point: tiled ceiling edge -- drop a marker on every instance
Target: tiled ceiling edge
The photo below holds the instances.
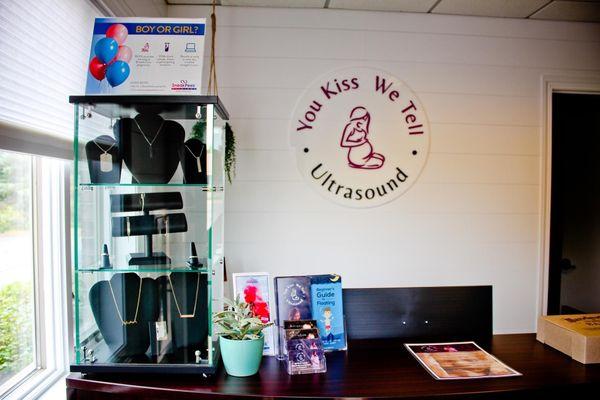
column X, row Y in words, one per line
column 540, row 9
column 434, row 6
column 574, row 11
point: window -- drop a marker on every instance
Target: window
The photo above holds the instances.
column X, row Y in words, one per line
column 17, row 322
column 44, row 46
column 34, row 200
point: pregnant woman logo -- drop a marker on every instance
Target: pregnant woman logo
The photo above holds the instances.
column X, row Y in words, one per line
column 354, row 138
column 361, row 137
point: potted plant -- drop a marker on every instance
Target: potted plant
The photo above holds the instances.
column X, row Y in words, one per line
column 241, row 336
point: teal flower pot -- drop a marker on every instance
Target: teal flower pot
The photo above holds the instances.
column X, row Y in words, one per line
column 241, row 357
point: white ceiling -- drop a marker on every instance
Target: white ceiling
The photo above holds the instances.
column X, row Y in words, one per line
column 565, row 10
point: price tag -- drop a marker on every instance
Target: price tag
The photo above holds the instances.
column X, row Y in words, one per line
column 161, row 330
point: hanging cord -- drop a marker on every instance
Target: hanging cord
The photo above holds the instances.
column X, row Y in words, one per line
column 212, row 78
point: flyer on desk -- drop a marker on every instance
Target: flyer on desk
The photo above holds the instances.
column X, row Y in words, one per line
column 459, row 360
column 146, row 56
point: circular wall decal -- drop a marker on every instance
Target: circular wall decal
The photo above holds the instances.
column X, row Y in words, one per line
column 361, row 136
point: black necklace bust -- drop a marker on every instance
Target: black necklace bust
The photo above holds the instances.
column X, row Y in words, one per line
column 150, row 146
column 193, row 161
column 104, row 160
column 123, row 308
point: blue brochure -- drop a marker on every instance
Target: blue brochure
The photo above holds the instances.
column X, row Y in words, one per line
column 328, row 310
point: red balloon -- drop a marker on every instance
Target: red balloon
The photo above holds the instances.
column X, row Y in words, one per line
column 118, row 32
column 97, row 68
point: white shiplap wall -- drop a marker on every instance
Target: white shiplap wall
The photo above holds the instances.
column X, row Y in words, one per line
column 473, row 217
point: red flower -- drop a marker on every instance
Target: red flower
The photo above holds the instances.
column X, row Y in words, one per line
column 250, row 294
column 261, row 310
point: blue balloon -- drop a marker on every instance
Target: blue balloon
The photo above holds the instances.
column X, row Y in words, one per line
column 117, row 73
column 106, row 49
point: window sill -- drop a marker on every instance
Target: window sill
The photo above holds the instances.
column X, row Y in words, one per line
column 35, row 385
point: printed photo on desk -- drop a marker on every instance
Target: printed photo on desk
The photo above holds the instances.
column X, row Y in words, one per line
column 253, row 288
column 459, row 360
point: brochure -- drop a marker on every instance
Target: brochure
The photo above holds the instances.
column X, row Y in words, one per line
column 328, row 310
column 459, row 360
column 253, row 288
column 292, row 294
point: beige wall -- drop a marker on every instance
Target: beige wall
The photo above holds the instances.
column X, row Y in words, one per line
column 473, row 217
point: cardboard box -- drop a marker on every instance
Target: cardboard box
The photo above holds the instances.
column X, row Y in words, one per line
column 575, row 335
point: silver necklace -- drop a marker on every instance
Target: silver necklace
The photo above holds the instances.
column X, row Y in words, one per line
column 198, row 163
column 106, row 164
column 150, row 143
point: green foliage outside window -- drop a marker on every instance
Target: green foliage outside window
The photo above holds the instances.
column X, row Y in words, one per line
column 16, row 328
column 14, row 211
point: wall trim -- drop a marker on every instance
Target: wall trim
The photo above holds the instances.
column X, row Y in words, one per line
column 552, row 84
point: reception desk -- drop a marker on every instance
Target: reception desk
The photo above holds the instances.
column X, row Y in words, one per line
column 368, row 370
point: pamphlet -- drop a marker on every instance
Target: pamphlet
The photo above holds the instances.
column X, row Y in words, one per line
column 328, row 310
column 459, row 360
column 254, row 288
column 293, row 298
column 304, row 351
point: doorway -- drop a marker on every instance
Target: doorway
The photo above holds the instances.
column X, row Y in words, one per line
column 574, row 253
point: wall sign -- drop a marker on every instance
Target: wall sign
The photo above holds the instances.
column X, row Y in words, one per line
column 361, row 136
column 144, row 56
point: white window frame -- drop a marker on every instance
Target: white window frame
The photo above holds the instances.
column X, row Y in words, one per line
column 51, row 225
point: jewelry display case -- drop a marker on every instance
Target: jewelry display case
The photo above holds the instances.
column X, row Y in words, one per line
column 148, row 233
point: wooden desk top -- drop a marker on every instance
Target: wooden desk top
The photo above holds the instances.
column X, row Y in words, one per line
column 361, row 373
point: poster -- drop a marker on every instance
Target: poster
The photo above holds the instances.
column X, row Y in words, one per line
column 459, row 360
column 146, row 56
column 254, row 288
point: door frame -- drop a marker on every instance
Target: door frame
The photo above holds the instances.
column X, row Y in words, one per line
column 552, row 84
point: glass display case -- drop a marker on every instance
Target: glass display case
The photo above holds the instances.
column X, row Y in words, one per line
column 148, row 232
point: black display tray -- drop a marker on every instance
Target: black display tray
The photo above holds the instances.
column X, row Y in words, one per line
column 176, row 107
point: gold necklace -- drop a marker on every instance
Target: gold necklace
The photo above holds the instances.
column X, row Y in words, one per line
column 137, row 307
column 192, row 315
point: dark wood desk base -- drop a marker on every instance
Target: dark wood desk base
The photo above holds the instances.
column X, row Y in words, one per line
column 362, row 373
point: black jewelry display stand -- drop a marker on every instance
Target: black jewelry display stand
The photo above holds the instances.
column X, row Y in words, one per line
column 95, row 149
column 189, row 332
column 131, row 338
column 149, row 146
column 147, row 224
column 193, row 161
column 150, row 257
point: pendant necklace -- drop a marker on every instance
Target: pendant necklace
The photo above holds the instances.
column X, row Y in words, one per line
column 106, row 164
column 193, row 314
column 137, row 307
column 198, row 162
column 150, row 143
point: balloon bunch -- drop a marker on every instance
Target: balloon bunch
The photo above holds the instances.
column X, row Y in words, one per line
column 112, row 57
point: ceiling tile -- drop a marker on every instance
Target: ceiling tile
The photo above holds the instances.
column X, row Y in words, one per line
column 384, row 5
column 490, row 8
column 275, row 3
column 586, row 11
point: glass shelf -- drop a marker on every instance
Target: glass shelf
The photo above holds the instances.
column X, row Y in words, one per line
column 142, row 269
column 203, row 186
